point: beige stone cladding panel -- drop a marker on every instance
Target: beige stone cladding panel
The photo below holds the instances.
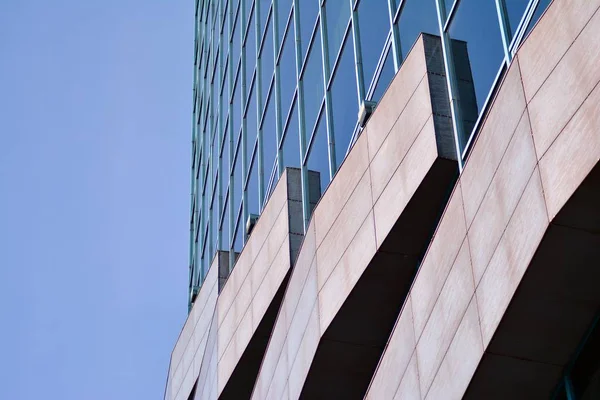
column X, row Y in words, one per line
column 192, row 341
column 491, row 143
column 573, row 154
column 569, row 84
column 510, row 193
column 344, row 242
column 550, row 40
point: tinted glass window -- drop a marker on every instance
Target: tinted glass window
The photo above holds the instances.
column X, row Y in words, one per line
column 291, row 142
column 250, row 51
column 251, row 125
column 344, row 99
column 387, row 73
column 283, row 12
column 252, row 188
column 313, row 84
column 478, row 52
column 308, row 11
column 269, row 141
column 374, row 26
column 287, row 71
column 338, row 15
column 515, row 10
column 318, row 159
column 542, row 5
column 417, row 16
column 267, row 65
column 225, row 228
column 236, row 185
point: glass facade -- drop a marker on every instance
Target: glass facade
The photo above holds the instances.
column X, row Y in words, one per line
column 279, row 83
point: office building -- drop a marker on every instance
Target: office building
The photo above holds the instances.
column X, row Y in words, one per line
column 393, row 199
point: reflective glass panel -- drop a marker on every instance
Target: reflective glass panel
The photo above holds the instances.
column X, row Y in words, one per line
column 236, row 43
column 309, row 10
column 238, row 241
column 236, row 117
column 283, row 12
column 374, row 26
column 225, row 238
column 225, row 159
column 250, row 51
column 267, row 60
column 251, row 125
column 269, row 141
column 252, row 188
column 344, row 100
column 291, row 141
column 318, row 159
column 338, row 16
column 386, row 75
column 478, row 54
column 515, row 10
column 236, row 185
column 287, row 71
column 313, row 84
column 417, row 16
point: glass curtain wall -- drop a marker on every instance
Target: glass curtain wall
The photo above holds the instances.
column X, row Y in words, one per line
column 279, row 83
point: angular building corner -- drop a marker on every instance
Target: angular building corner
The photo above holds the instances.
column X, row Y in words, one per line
column 452, row 251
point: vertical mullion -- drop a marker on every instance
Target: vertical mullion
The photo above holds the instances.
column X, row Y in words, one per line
column 396, row 45
column 229, row 143
column 277, row 86
column 326, row 75
column 504, row 28
column 451, row 81
column 301, row 117
column 259, row 105
column 358, row 55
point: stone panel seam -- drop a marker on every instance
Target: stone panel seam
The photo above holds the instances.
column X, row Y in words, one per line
column 524, row 359
column 506, row 226
column 346, row 249
column 185, row 373
column 334, row 221
column 582, row 230
column 253, row 261
column 404, row 371
column 570, row 119
column 437, row 297
column 560, row 59
column 487, row 189
column 383, row 139
column 446, row 351
column 203, row 354
column 248, row 309
column 285, row 339
column 193, row 329
column 417, row 136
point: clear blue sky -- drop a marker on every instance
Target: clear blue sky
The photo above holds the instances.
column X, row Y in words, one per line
column 95, row 101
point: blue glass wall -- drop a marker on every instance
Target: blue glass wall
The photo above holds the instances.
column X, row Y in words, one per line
column 279, row 83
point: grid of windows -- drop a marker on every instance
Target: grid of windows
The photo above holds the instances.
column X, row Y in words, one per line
column 279, row 83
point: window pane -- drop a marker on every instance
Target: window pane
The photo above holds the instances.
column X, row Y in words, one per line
column 252, row 188
column 386, row 75
column 449, row 4
column 344, row 100
column 225, row 228
column 236, row 42
column 338, row 15
column 250, row 50
column 284, row 8
column 236, row 117
column 214, row 225
column 287, row 71
column 225, row 160
column 251, row 125
column 264, row 12
column 291, row 142
column 267, row 65
column 313, row 84
column 374, row 26
column 318, row 159
column 238, row 242
column 478, row 52
column 269, row 142
column 515, row 10
column 309, row 10
column 417, row 16
column 237, row 183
